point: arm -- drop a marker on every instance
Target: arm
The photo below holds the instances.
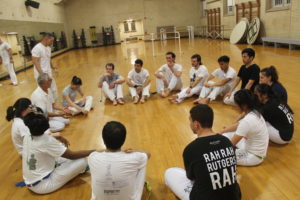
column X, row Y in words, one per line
column 100, row 83
column 71, row 103
column 129, row 82
column 121, row 80
column 158, row 75
column 237, row 81
column 249, row 84
column 235, row 139
column 222, row 82
column 198, row 79
column 175, row 72
column 73, row 155
column 36, row 63
column 147, row 81
column 230, row 128
column 129, row 150
column 81, row 93
column 10, row 55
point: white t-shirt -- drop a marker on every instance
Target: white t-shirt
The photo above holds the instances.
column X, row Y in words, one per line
column 114, row 174
column 138, row 78
column 44, row 53
column 222, row 75
column 39, row 155
column 18, row 131
column 43, row 100
column 4, row 46
column 253, row 128
column 167, row 71
column 200, row 72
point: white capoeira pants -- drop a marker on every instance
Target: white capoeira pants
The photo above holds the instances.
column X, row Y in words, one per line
column 114, row 93
column 274, row 135
column 63, row 173
column 183, row 95
column 244, row 157
column 139, row 186
column 87, row 105
column 145, row 91
column 58, row 123
column 212, row 92
column 176, row 180
column 174, row 83
column 230, row 100
column 10, row 69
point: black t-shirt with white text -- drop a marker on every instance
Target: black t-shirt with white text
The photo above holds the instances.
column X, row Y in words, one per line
column 249, row 73
column 210, row 162
column 280, row 117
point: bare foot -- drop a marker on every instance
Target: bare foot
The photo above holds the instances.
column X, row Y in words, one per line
column 165, row 93
column 120, row 101
column 135, row 100
column 142, row 100
column 204, row 101
column 115, row 102
column 197, row 101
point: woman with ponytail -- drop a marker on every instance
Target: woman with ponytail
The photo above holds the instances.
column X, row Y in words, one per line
column 16, row 113
column 249, row 134
column 278, row 116
column 69, row 94
column 269, row 76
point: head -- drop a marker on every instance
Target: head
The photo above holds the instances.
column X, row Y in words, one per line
column 76, row 83
column 268, row 75
column 264, row 93
column 36, row 123
column 224, row 62
column 110, row 67
column 48, row 39
column 196, row 60
column 201, row 117
column 20, row 109
column 248, row 55
column 170, row 57
column 138, row 64
column 114, row 135
column 44, row 81
column 246, row 100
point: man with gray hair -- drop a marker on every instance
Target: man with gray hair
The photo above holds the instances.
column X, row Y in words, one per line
column 41, row 59
column 42, row 97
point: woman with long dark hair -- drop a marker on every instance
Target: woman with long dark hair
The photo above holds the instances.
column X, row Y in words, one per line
column 278, row 116
column 269, row 76
column 249, row 134
column 16, row 113
column 69, row 94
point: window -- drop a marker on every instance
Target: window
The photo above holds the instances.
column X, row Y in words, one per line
column 203, row 8
column 280, row 3
column 129, row 26
column 229, row 7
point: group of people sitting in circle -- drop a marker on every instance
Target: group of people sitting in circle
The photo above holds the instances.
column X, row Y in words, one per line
column 210, row 160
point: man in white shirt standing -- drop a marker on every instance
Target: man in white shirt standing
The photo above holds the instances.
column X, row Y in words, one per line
column 7, row 59
column 211, row 89
column 168, row 75
column 198, row 74
column 42, row 97
column 48, row 164
column 117, row 174
column 41, row 58
column 139, row 82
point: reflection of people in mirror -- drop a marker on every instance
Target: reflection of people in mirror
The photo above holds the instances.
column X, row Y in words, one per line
column 41, row 58
column 7, row 60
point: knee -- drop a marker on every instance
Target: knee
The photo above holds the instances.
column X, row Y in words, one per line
column 58, row 126
column 168, row 175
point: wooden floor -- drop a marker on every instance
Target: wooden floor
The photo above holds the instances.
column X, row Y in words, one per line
column 156, row 126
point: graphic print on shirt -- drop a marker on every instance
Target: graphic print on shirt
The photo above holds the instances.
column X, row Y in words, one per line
column 32, row 162
column 287, row 112
column 221, row 165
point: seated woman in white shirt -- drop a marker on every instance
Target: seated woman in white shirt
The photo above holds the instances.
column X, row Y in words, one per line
column 69, row 94
column 249, row 133
column 48, row 163
column 18, row 130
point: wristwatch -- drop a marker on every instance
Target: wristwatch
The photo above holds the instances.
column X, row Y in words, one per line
column 191, row 87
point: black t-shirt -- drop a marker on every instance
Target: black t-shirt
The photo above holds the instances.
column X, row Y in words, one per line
column 280, row 117
column 211, row 163
column 249, row 73
column 280, row 92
